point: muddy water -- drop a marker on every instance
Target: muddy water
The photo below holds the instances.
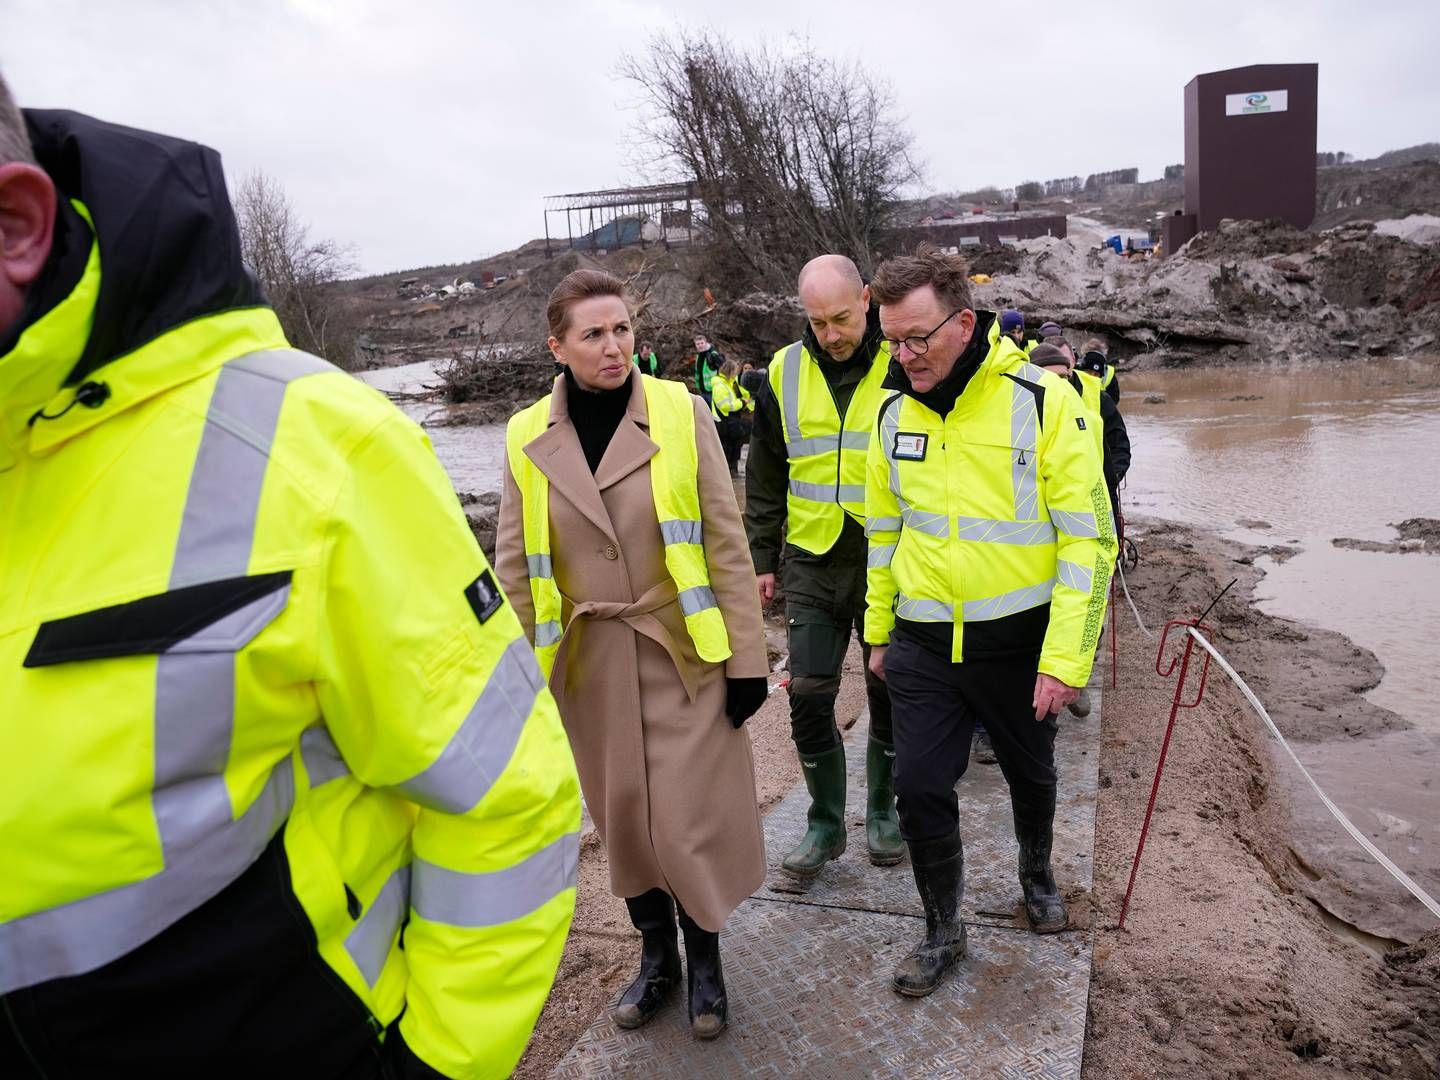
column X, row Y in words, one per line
column 1299, row 458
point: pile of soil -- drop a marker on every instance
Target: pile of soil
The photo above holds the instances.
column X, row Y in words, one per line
column 1227, row 967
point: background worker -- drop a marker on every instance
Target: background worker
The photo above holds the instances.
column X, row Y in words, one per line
column 1095, row 360
column 1012, row 325
column 805, row 476
column 621, row 546
column 708, row 361
column 647, row 361
column 731, row 405
column 990, row 553
column 262, row 702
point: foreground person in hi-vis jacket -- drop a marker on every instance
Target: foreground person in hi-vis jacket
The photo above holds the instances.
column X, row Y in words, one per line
column 283, row 791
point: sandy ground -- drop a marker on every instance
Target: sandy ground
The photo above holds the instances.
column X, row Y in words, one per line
column 1226, row 968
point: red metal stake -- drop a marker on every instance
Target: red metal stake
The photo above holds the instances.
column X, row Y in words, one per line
column 1175, row 707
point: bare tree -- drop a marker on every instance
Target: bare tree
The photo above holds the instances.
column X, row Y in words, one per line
column 793, row 154
column 299, row 275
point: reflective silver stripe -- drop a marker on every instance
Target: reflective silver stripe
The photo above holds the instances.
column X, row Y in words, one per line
column 481, row 747
column 814, row 492
column 790, row 392
column 1023, row 426
column 322, row 759
column 548, row 633
column 923, row 522
column 682, row 532
column 700, row 598
column 991, row 531
column 923, row 610
column 1010, row 603
column 89, row 933
column 852, row 493
column 1074, row 575
column 540, row 566
column 369, row 943
column 881, row 524
column 1081, row 524
column 880, row 555
column 218, row 525
column 816, row 444
column 471, row 901
column 855, row 440
column 889, row 428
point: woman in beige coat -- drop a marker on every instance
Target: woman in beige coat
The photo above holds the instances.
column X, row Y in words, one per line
column 664, row 764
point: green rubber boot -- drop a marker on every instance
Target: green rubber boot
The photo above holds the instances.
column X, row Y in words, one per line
column 882, row 826
column 825, row 836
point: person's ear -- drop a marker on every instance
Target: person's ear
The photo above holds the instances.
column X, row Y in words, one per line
column 554, row 345
column 27, row 221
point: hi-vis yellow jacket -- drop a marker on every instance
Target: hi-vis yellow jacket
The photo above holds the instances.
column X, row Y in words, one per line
column 240, row 606
column 727, row 396
column 995, row 509
column 1091, row 387
column 826, row 451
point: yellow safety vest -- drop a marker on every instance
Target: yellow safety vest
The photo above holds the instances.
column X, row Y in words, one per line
column 673, row 484
column 826, row 451
column 1090, row 391
column 238, row 600
column 994, row 509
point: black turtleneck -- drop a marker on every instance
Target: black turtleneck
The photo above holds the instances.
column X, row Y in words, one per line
column 596, row 414
column 941, row 397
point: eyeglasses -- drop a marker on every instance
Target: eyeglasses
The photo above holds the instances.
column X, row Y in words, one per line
column 918, row 345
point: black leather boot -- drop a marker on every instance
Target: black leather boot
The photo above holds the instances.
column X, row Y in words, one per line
column 709, row 1011
column 939, row 867
column 653, row 914
column 1034, row 830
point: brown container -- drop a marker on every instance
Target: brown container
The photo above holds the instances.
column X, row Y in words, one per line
column 1250, row 144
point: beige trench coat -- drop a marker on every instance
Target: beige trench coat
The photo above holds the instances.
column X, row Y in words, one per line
column 668, row 780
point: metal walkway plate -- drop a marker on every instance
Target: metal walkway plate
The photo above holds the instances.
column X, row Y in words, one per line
column 808, row 974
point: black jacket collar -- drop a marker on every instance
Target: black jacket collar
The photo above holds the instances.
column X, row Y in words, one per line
column 941, row 397
column 169, row 244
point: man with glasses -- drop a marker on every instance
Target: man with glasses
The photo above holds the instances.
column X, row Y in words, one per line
column 806, row 476
column 990, row 553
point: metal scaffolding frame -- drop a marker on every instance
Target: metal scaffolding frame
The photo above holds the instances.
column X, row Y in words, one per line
column 618, row 204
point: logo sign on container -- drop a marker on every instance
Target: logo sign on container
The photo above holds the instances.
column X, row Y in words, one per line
column 1258, row 101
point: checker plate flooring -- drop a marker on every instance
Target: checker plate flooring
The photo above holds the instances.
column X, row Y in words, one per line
column 808, row 973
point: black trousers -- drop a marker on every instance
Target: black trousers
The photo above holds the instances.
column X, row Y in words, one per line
column 824, row 601
column 936, row 705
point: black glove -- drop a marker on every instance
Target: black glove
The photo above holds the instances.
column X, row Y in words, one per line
column 743, row 698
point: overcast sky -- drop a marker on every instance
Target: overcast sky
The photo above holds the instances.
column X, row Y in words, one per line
column 427, row 132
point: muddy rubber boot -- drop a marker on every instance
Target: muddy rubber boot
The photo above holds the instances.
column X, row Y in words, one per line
column 882, row 825
column 1034, row 830
column 653, row 914
column 981, row 748
column 1081, row 705
column 709, row 1011
column 824, row 837
column 939, row 867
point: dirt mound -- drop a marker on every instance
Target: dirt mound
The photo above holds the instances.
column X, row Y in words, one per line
column 1250, row 239
column 1350, row 192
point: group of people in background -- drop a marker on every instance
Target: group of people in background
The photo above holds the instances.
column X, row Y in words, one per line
column 305, row 793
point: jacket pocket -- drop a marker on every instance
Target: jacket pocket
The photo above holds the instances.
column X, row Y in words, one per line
column 215, row 616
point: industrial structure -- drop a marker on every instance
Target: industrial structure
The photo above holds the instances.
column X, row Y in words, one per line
column 1250, row 136
column 662, row 214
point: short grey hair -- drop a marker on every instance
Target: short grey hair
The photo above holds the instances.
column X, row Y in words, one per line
column 14, row 138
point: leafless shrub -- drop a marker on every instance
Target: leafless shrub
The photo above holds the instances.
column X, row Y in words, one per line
column 298, row 274
column 793, row 153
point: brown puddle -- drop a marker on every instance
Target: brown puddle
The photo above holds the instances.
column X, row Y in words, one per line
column 1294, row 459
